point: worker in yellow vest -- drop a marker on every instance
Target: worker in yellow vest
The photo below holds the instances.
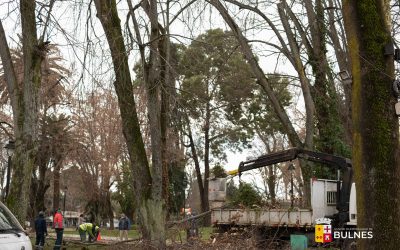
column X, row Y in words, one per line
column 91, row 229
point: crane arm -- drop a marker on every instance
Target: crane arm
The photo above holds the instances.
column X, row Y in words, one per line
column 291, row 154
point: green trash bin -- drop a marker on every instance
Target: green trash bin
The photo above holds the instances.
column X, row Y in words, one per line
column 298, row 242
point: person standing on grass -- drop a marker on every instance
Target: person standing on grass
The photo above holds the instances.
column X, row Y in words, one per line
column 81, row 220
column 59, row 227
column 123, row 227
column 41, row 230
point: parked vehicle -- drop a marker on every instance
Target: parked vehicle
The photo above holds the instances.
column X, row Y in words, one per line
column 12, row 235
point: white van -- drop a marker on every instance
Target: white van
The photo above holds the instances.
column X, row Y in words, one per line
column 12, row 235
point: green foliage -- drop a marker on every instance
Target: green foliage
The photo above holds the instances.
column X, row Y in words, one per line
column 245, row 195
column 218, row 171
column 256, row 115
column 178, row 182
column 231, row 190
column 125, row 191
column 215, row 77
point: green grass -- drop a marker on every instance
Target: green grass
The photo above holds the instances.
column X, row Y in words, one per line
column 178, row 236
column 132, row 234
column 50, row 244
column 206, row 232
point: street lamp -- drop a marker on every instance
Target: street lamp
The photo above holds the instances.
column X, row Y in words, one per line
column 291, row 169
column 65, row 195
column 10, row 146
column 345, row 77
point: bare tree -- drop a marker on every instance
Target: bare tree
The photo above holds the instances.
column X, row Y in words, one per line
column 98, row 125
column 25, row 105
column 148, row 182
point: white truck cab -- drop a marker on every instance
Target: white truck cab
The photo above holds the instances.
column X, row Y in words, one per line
column 352, row 207
column 12, row 235
column 324, row 199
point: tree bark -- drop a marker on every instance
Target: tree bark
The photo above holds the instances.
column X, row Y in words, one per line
column 11, row 78
column 331, row 134
column 271, row 182
column 151, row 206
column 56, row 183
column 207, row 144
column 342, row 56
column 305, row 83
column 24, row 103
column 376, row 147
column 197, row 168
column 109, row 209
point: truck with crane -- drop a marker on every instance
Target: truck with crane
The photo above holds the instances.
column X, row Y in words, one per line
column 334, row 200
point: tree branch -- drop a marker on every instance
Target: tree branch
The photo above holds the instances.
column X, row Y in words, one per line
column 9, row 72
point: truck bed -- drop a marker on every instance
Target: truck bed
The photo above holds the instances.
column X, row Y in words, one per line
column 266, row 217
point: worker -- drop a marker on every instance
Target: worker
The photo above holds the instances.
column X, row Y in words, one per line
column 81, row 220
column 41, row 230
column 192, row 230
column 91, row 229
column 58, row 226
column 123, row 227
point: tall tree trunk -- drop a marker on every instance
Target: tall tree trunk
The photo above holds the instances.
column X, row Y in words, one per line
column 38, row 189
column 150, row 205
column 56, row 184
column 207, row 145
column 304, row 81
column 342, row 56
column 197, row 168
column 376, row 147
column 153, row 83
column 331, row 138
column 109, row 209
column 271, row 182
column 25, row 107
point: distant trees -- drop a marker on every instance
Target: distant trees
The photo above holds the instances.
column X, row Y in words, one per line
column 216, row 78
column 218, row 171
column 125, row 192
column 100, row 149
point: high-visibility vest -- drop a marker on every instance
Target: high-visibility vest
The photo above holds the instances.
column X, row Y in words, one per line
column 88, row 227
column 58, row 221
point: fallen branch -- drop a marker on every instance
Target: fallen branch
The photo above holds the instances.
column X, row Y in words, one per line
column 172, row 223
column 98, row 243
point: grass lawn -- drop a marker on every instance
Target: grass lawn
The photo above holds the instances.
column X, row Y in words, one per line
column 177, row 236
column 50, row 244
column 132, row 234
column 205, row 233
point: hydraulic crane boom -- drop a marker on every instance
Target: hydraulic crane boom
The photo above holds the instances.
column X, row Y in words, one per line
column 341, row 163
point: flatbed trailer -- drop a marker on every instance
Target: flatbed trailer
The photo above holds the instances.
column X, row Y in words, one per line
column 294, row 218
column 323, row 204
